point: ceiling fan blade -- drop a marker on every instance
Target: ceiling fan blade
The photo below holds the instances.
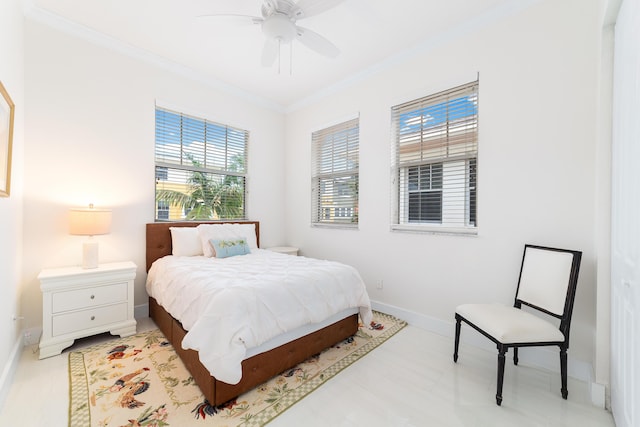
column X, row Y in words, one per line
column 316, row 42
column 268, row 7
column 270, row 52
column 308, row 8
column 232, row 18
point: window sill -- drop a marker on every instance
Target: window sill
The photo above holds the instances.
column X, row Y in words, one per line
column 435, row 229
column 336, row 226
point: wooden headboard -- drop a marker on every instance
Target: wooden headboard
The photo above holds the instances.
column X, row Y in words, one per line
column 159, row 236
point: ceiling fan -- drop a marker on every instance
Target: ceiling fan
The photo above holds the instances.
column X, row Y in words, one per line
column 279, row 26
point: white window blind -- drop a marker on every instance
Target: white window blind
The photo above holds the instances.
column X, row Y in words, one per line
column 334, row 181
column 434, row 161
column 201, row 168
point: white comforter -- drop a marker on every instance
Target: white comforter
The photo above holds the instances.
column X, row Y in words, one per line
column 231, row 304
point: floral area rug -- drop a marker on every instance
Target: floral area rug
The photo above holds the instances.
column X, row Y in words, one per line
column 140, row 381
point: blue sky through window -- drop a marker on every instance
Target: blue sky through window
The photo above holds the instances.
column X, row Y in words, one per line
column 437, row 114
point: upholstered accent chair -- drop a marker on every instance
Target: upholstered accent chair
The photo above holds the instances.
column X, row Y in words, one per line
column 547, row 287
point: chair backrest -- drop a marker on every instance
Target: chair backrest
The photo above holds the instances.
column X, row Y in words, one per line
column 548, row 280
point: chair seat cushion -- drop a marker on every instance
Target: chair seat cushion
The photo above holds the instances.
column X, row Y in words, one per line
column 510, row 325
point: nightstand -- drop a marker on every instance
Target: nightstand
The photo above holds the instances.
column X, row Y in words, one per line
column 289, row 250
column 79, row 302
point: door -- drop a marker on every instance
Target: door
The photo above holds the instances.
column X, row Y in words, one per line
column 625, row 218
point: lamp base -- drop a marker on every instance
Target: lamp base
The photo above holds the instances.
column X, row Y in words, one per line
column 90, row 254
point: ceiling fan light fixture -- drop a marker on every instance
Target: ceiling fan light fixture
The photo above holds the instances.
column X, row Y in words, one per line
column 279, row 27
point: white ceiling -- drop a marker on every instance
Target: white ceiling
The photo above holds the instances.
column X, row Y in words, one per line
column 369, row 34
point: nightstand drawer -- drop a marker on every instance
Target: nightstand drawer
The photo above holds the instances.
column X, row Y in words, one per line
column 87, row 319
column 89, row 297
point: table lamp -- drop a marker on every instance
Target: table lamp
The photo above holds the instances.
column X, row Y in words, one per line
column 89, row 222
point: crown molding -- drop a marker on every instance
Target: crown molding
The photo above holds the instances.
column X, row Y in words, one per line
column 42, row 16
column 485, row 19
column 65, row 25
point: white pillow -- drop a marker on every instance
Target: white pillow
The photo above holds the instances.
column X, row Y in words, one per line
column 226, row 231
column 185, row 241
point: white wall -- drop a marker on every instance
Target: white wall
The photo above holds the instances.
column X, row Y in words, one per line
column 537, row 106
column 90, row 138
column 538, row 80
column 11, row 76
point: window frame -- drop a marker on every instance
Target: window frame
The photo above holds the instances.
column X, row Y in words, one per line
column 455, row 147
column 191, row 151
column 335, row 163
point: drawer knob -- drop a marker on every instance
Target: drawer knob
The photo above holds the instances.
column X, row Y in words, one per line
column 93, row 296
column 93, row 317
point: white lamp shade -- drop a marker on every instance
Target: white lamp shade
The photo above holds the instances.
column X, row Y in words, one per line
column 89, row 221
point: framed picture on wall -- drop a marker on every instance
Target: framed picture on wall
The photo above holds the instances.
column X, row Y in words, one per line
column 7, row 109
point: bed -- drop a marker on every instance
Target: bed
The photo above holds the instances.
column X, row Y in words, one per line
column 262, row 362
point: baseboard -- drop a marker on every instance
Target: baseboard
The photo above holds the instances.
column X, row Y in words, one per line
column 422, row 321
column 141, row 311
column 539, row 357
column 31, row 336
column 10, row 369
column 598, row 394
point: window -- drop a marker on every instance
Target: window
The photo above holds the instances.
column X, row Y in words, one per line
column 434, row 161
column 425, row 193
column 162, row 210
column 162, row 173
column 201, row 168
column 334, row 178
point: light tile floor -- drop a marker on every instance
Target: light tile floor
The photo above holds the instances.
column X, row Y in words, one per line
column 410, row 380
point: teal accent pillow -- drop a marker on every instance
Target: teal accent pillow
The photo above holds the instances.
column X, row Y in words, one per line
column 224, row 248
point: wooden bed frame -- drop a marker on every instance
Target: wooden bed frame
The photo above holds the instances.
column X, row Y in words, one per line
column 255, row 370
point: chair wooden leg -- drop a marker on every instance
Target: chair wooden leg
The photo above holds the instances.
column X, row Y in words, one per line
column 457, row 340
column 563, row 372
column 515, row 356
column 501, row 359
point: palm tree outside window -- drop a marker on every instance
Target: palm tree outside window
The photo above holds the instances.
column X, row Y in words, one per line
column 200, row 168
